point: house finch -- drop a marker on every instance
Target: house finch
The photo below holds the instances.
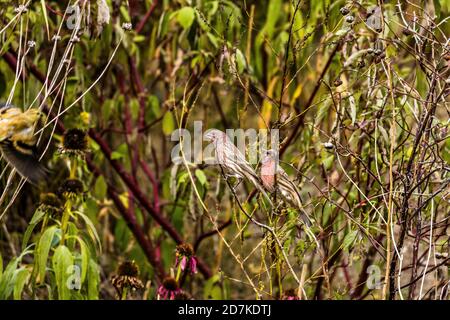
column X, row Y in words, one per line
column 274, row 178
column 18, row 142
column 232, row 160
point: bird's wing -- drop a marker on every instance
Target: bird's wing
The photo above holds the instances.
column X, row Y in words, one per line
column 290, row 188
column 248, row 171
column 284, row 180
column 240, row 158
column 281, row 172
column 23, row 158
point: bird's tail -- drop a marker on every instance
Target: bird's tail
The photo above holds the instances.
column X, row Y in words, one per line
column 295, row 194
column 305, row 218
column 303, row 214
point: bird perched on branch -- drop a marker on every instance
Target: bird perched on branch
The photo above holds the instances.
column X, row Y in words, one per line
column 232, row 160
column 18, row 142
column 274, row 178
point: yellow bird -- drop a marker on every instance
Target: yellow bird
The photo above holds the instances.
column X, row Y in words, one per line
column 18, row 142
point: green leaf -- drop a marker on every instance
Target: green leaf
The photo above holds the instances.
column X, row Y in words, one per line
column 208, row 290
column 154, row 105
column 100, row 188
column 120, row 152
column 108, row 108
column 37, row 217
column 43, row 249
column 327, row 161
column 93, row 280
column 167, row 250
column 349, row 239
column 185, row 17
column 168, row 124
column 62, row 262
column 139, row 38
column 134, row 108
column 178, row 216
column 85, row 257
column 201, row 22
column 44, row 11
column 91, row 228
column 163, row 25
column 446, row 151
column 211, row 7
column 384, row 133
column 125, row 14
column 21, row 278
column 213, row 39
column 7, row 279
column 274, row 11
column 182, row 178
column 240, row 61
column 122, row 234
column 201, row 177
column 84, row 260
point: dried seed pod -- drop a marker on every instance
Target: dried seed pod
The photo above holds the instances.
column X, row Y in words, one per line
column 350, row 19
column 344, row 11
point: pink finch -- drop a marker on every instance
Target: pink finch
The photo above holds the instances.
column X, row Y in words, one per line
column 274, row 178
column 232, row 160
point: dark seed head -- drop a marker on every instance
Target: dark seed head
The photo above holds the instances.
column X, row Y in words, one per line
column 344, row 11
column 170, row 284
column 50, row 200
column 128, row 268
column 75, row 140
column 50, row 203
column 185, row 250
column 350, row 19
column 71, row 187
column 127, row 277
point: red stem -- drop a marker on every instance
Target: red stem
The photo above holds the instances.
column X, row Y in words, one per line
column 144, row 20
column 124, row 175
column 139, row 195
column 152, row 179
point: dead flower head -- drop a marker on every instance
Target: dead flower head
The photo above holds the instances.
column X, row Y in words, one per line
column 127, row 277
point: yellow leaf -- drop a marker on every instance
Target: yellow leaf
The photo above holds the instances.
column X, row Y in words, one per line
column 266, row 110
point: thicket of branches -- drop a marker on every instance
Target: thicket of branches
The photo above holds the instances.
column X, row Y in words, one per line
column 358, row 89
